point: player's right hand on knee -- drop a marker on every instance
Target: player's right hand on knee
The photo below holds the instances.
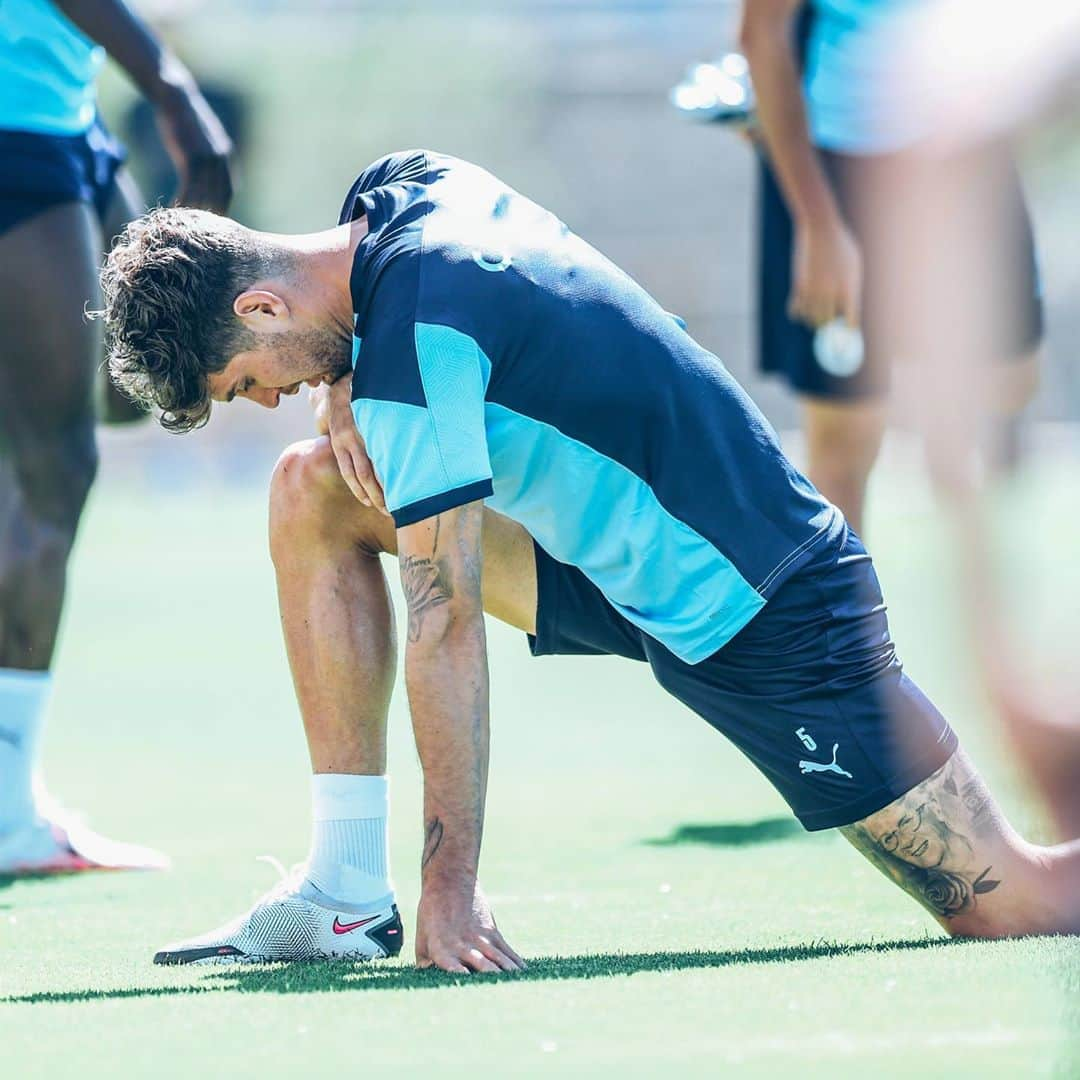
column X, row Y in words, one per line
column 349, row 450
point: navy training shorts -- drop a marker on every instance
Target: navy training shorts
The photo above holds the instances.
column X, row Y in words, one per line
column 39, row 171
column 811, row 690
column 786, row 347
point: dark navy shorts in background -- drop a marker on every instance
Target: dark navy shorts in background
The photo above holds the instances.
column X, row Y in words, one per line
column 810, row 690
column 786, row 346
column 39, row 171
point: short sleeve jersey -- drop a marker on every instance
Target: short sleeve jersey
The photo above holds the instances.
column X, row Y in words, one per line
column 498, row 356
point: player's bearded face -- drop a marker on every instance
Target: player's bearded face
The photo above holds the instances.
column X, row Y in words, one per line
column 282, row 364
column 314, row 353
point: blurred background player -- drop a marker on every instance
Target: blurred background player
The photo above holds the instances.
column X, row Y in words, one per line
column 63, row 196
column 829, row 98
column 946, row 195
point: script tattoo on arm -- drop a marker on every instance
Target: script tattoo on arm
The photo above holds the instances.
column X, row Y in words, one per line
column 426, row 582
column 927, row 840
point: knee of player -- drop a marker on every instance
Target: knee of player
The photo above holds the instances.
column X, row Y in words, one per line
column 36, row 554
column 305, row 468
column 1022, row 921
column 302, row 479
column 972, row 928
column 309, row 497
column 1036, row 895
column 56, row 472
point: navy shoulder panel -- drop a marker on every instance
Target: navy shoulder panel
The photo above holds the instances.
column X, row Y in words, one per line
column 386, row 366
column 395, row 168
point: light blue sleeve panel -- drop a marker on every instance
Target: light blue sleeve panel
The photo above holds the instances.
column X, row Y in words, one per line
column 420, row 411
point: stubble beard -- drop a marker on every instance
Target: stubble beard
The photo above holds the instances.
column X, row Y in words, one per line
column 317, row 353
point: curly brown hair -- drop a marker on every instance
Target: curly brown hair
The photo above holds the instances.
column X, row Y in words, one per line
column 169, row 284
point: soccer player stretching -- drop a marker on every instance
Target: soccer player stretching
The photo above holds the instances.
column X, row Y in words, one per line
column 555, row 448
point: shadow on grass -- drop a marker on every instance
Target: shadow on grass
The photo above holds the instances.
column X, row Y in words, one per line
column 45, row 877
column 337, row 975
column 7, row 880
column 736, row 834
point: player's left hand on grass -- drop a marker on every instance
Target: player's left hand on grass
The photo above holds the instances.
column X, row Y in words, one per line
column 199, row 148
column 456, row 931
column 349, row 449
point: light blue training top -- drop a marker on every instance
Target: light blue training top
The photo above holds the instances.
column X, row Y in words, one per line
column 48, row 69
column 853, row 79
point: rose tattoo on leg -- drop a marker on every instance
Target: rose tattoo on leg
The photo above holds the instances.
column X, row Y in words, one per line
column 924, row 840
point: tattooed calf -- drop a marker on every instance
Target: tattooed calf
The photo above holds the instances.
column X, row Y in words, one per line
column 922, row 842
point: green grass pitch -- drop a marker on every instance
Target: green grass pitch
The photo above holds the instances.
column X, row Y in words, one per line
column 676, row 921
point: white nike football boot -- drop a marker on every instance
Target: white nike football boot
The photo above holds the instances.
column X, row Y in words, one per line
column 294, row 921
column 57, row 841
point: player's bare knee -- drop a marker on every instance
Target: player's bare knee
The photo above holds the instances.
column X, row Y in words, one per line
column 309, row 498
column 1024, row 919
column 305, row 471
column 979, row 930
column 1036, row 896
column 299, row 485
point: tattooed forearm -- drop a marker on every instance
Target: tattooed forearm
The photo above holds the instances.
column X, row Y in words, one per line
column 447, row 680
column 433, row 834
column 925, row 840
column 426, row 586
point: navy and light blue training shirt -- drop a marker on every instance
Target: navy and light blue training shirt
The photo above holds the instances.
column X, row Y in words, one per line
column 498, row 356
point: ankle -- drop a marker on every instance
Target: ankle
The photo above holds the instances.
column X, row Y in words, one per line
column 348, row 860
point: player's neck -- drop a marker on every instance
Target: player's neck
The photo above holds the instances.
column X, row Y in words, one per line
column 323, row 261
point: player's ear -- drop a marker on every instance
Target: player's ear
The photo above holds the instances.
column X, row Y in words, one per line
column 261, row 310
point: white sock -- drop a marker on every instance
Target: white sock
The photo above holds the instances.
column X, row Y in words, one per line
column 23, row 697
column 349, row 839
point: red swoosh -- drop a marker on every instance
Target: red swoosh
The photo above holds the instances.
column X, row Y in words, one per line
column 343, row 928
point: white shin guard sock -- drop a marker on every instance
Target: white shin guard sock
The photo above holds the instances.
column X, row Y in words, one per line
column 348, row 860
column 23, row 698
